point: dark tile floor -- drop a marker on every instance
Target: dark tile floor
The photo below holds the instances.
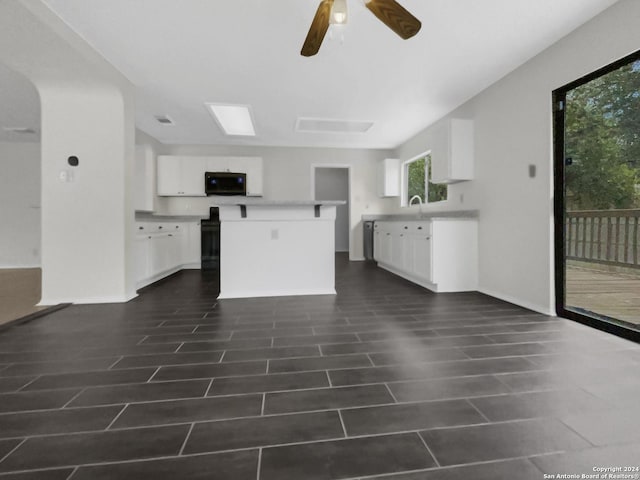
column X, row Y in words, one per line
column 384, row 380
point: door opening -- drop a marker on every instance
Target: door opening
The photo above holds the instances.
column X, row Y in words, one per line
column 332, row 183
column 597, row 198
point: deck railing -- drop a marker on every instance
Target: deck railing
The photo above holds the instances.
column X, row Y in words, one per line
column 603, row 236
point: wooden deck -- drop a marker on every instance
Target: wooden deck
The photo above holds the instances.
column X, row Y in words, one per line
column 615, row 295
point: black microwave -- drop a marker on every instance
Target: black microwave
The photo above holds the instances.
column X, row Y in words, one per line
column 225, row 183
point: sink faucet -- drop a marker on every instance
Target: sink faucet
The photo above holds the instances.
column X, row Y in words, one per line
column 419, row 202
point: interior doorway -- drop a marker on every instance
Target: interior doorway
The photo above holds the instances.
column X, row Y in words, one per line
column 20, row 197
column 597, row 192
column 332, row 183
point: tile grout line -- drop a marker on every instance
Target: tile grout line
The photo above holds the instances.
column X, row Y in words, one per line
column 305, row 442
column 186, row 439
column 141, row 341
column 21, row 389
column 264, row 398
column 206, row 392
column 577, row 433
column 153, row 374
column 75, row 469
column 371, row 360
column 179, row 347
column 429, row 450
column 329, row 378
column 259, row 464
column 222, row 356
column 116, row 362
column 116, row 417
column 391, row 393
column 344, row 429
column 74, row 397
column 477, row 409
column 13, row 450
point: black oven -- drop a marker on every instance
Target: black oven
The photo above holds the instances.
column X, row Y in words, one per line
column 225, row 183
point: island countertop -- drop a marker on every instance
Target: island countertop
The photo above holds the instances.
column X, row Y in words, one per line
column 257, row 202
column 407, row 217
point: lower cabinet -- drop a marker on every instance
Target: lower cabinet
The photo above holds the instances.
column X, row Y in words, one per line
column 439, row 254
column 163, row 248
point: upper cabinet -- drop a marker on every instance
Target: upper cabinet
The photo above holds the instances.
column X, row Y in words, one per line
column 181, row 176
column 144, row 179
column 389, row 178
column 452, row 151
column 184, row 175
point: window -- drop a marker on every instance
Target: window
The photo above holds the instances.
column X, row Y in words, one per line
column 417, row 177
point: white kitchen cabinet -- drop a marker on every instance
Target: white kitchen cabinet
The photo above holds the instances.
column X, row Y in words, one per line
column 184, row 175
column 191, row 250
column 180, row 176
column 162, row 248
column 216, row 164
column 144, row 179
column 389, row 178
column 141, row 256
column 420, row 248
column 439, row 254
column 253, row 169
column 452, row 151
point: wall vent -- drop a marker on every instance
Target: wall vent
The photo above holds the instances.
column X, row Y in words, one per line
column 164, row 120
column 20, row 130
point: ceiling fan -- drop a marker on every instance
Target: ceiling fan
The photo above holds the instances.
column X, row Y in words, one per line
column 389, row 12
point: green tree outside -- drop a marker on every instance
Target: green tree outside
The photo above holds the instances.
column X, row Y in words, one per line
column 602, row 138
column 417, row 182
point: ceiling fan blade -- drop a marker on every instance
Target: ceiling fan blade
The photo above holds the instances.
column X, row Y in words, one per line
column 394, row 16
column 318, row 29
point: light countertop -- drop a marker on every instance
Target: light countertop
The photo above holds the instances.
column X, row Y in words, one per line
column 259, row 202
column 404, row 217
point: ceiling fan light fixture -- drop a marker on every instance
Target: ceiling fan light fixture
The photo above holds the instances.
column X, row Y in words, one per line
column 338, row 12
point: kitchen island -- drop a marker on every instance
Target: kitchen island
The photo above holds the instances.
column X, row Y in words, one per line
column 276, row 248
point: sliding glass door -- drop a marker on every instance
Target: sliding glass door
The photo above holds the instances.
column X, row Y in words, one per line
column 597, row 173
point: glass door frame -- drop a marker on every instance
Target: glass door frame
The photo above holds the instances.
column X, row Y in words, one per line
column 559, row 108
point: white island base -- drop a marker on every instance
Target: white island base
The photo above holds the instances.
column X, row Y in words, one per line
column 270, row 249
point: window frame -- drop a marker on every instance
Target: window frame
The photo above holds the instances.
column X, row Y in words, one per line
column 404, row 178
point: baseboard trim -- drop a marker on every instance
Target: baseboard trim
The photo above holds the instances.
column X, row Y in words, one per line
column 517, row 301
column 19, row 267
column 34, row 315
column 275, row 293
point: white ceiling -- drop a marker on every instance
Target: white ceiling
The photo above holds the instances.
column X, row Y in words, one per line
column 180, row 54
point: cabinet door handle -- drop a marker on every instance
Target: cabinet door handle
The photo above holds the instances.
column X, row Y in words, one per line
column 171, row 234
column 406, row 227
column 140, row 228
column 388, row 233
column 402, row 234
column 427, row 238
column 160, row 227
column 419, row 228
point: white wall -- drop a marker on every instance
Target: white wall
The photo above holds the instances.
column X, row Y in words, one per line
column 19, row 205
column 513, row 129
column 86, row 111
column 287, row 176
column 333, row 184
